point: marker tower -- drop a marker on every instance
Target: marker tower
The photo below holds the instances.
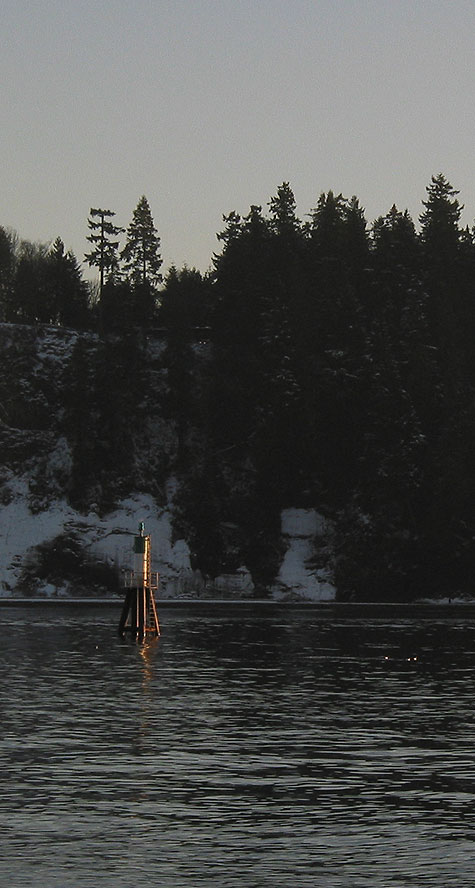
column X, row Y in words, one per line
column 139, row 613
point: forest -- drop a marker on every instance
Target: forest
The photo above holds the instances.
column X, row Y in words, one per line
column 340, row 375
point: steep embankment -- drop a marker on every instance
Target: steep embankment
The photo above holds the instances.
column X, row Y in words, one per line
column 91, row 443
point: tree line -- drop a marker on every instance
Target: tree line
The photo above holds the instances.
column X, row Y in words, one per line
column 341, row 376
column 44, row 284
column 344, row 377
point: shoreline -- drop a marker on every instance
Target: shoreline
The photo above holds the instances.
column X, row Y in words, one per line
column 163, row 603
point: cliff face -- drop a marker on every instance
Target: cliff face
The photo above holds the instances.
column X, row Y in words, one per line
column 97, row 434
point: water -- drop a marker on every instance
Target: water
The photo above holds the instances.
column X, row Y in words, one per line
column 249, row 746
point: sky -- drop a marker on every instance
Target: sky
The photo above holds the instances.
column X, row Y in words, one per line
column 207, row 106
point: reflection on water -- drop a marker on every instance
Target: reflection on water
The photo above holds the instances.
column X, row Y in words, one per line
column 247, row 746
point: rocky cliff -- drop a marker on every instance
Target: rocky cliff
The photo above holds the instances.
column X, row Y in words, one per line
column 97, row 434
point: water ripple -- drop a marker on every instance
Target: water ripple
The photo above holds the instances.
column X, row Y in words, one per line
column 246, row 747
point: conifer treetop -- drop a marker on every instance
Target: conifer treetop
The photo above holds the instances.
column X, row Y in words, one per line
column 141, row 254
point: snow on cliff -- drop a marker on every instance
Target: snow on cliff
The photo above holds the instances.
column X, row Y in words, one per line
column 298, row 575
column 104, row 539
column 108, row 540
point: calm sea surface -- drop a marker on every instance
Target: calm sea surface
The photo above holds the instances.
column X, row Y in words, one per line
column 249, row 746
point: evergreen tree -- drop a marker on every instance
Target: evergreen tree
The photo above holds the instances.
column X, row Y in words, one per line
column 327, row 227
column 284, row 318
column 394, row 244
column 450, row 291
column 333, row 344
column 68, row 291
column 401, row 331
column 42, row 284
column 185, row 302
column 116, row 306
column 356, row 242
column 329, row 285
column 8, row 248
column 105, row 247
column 283, row 218
column 242, row 281
column 31, row 300
column 141, row 254
column 440, row 232
column 105, row 388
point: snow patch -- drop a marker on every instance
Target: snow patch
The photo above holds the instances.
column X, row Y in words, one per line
column 239, row 583
column 107, row 539
column 59, row 464
column 298, row 577
column 302, row 523
column 21, row 531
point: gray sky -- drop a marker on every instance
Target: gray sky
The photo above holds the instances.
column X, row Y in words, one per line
column 207, row 106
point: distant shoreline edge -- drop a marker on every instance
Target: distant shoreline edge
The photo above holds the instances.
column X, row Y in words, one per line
column 162, row 603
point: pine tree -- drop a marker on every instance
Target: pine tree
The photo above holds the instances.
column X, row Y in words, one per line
column 104, row 252
column 31, row 300
column 285, row 316
column 356, row 241
column 394, row 243
column 284, row 221
column 66, row 287
column 8, row 249
column 141, row 254
column 116, row 306
column 440, row 233
column 444, row 276
column 185, row 301
column 327, row 227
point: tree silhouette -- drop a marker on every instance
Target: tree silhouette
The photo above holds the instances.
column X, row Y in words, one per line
column 67, row 291
column 440, row 233
column 141, row 254
column 104, row 252
column 8, row 248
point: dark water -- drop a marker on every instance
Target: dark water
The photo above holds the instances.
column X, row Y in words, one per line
column 249, row 746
